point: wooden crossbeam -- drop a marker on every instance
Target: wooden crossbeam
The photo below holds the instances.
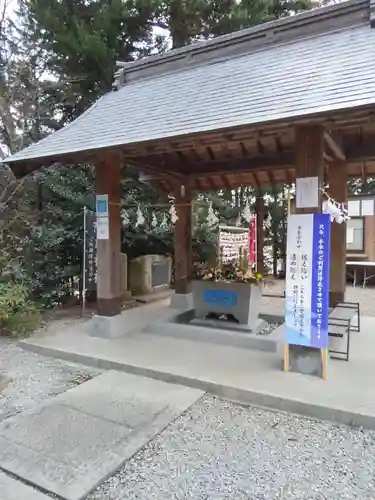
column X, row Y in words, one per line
column 266, row 163
column 243, row 165
column 334, row 144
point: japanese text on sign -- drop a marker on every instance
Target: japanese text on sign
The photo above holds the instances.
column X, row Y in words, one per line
column 307, row 280
column 320, row 273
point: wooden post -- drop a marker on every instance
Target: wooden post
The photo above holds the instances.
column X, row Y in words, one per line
column 182, row 240
column 309, row 162
column 108, row 171
column 338, row 190
column 259, row 210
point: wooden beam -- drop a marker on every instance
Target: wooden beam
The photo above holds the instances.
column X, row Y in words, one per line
column 334, row 143
column 260, row 147
column 211, row 153
column 363, row 170
column 108, row 177
column 339, row 191
column 243, row 149
column 256, row 180
column 288, row 177
column 309, row 149
column 182, row 239
column 152, row 169
column 271, row 179
column 362, row 152
column 243, row 165
column 279, row 146
column 356, row 153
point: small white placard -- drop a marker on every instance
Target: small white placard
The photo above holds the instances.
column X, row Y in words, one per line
column 367, row 207
column 354, row 208
column 349, row 235
column 102, row 205
column 307, row 192
column 102, row 228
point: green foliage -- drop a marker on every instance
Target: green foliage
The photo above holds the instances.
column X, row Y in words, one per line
column 18, row 314
column 63, row 57
column 361, row 186
column 84, row 39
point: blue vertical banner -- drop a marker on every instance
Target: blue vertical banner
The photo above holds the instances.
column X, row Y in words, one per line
column 320, row 280
column 307, row 280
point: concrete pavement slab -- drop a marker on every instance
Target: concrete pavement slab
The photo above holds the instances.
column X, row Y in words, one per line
column 239, row 374
column 72, row 443
column 11, row 489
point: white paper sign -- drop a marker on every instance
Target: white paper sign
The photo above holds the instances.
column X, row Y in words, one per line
column 350, row 235
column 102, row 228
column 354, row 208
column 367, row 207
column 230, row 244
column 102, row 205
column 307, row 192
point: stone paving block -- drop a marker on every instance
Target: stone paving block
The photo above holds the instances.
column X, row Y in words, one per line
column 64, row 434
column 133, row 404
column 12, row 489
column 72, row 443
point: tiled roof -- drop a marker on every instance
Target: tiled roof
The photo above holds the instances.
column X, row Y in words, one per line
column 326, row 72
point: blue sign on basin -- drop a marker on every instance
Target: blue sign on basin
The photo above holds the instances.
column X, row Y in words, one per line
column 225, row 298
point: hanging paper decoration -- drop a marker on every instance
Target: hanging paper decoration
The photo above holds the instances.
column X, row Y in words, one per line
column 154, row 221
column 212, row 219
column 337, row 211
column 140, row 219
column 173, row 214
column 164, row 222
column 124, row 218
column 247, row 212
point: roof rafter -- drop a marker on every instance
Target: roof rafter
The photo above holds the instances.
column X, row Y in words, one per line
column 334, row 143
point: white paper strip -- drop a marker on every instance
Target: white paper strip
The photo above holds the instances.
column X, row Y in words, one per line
column 367, row 207
column 354, row 208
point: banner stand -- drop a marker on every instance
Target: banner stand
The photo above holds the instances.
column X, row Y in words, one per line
column 324, row 358
column 307, row 294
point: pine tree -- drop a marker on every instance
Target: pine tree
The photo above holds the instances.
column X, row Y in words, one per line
column 77, row 43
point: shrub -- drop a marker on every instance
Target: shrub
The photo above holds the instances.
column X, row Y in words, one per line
column 18, row 314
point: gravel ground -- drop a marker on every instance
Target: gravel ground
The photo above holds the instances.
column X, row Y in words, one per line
column 268, row 329
column 30, row 378
column 222, row 451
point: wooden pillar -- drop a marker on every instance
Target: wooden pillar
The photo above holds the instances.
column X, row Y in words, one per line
column 338, row 190
column 309, row 159
column 108, row 170
column 309, row 162
column 259, row 210
column 182, row 240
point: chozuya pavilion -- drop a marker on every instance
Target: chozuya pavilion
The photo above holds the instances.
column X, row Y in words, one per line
column 291, row 98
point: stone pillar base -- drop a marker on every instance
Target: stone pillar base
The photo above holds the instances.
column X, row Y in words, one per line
column 107, row 327
column 182, row 301
column 109, row 307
